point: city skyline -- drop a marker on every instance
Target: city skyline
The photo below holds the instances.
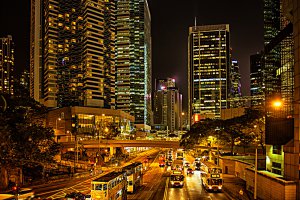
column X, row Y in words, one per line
column 169, row 34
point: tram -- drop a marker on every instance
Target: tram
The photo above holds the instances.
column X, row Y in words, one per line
column 134, row 176
column 112, row 186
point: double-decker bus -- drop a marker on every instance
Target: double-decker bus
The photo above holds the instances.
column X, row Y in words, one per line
column 112, row 186
column 177, row 178
column 177, row 165
column 134, row 176
column 211, row 176
column 180, row 154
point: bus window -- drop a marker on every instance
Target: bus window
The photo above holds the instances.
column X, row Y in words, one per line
column 177, row 178
column 98, row 186
column 104, row 186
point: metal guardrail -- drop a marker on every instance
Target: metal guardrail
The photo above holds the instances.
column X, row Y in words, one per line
column 166, row 195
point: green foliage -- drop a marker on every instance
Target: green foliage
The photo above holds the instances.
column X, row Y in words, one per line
column 23, row 138
column 228, row 132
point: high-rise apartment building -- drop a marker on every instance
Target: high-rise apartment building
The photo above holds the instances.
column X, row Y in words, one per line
column 72, row 53
column 7, row 65
column 208, row 70
column 167, row 106
column 133, row 59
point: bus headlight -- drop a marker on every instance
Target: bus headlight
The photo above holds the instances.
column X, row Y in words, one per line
column 210, row 187
column 172, row 182
column 220, row 187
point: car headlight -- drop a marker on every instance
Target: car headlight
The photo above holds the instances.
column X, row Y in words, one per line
column 220, row 187
column 172, row 182
column 210, row 187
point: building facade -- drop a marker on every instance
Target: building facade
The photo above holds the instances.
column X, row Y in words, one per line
column 7, row 61
column 167, row 107
column 72, row 53
column 278, row 76
column 89, row 122
column 208, row 70
column 235, row 85
column 25, row 79
column 257, row 85
column 291, row 150
column 133, row 59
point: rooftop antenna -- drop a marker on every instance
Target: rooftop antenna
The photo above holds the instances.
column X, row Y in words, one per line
column 195, row 22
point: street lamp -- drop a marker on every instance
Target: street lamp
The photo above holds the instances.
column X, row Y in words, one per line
column 277, row 103
column 58, row 119
column 182, row 114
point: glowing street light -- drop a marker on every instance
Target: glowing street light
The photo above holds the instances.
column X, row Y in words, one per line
column 277, row 104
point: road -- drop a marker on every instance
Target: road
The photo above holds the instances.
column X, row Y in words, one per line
column 154, row 182
column 59, row 190
column 192, row 189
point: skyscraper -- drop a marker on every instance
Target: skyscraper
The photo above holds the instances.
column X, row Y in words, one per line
column 278, row 71
column 235, row 85
column 272, row 58
column 24, row 79
column 7, row 65
column 208, row 70
column 167, row 106
column 72, row 53
column 133, row 59
column 257, row 85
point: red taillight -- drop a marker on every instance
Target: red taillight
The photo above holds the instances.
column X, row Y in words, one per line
column 14, row 188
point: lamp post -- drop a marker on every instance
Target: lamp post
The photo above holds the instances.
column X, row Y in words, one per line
column 218, row 129
column 182, row 115
column 58, row 119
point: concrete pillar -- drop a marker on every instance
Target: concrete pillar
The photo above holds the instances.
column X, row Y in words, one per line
column 112, row 151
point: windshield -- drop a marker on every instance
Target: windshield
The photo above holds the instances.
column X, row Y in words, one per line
column 215, row 181
column 100, row 187
column 177, row 178
column 215, row 170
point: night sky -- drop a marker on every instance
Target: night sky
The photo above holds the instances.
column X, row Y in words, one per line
column 170, row 22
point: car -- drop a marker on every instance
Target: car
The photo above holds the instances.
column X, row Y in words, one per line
column 75, row 196
column 186, row 164
column 197, row 166
column 189, row 171
column 88, row 197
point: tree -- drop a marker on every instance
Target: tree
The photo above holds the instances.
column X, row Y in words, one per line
column 23, row 138
column 230, row 131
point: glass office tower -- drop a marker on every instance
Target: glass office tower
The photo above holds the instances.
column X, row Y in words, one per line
column 133, row 59
column 208, row 71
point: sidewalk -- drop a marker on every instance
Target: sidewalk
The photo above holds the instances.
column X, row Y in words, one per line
column 235, row 188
